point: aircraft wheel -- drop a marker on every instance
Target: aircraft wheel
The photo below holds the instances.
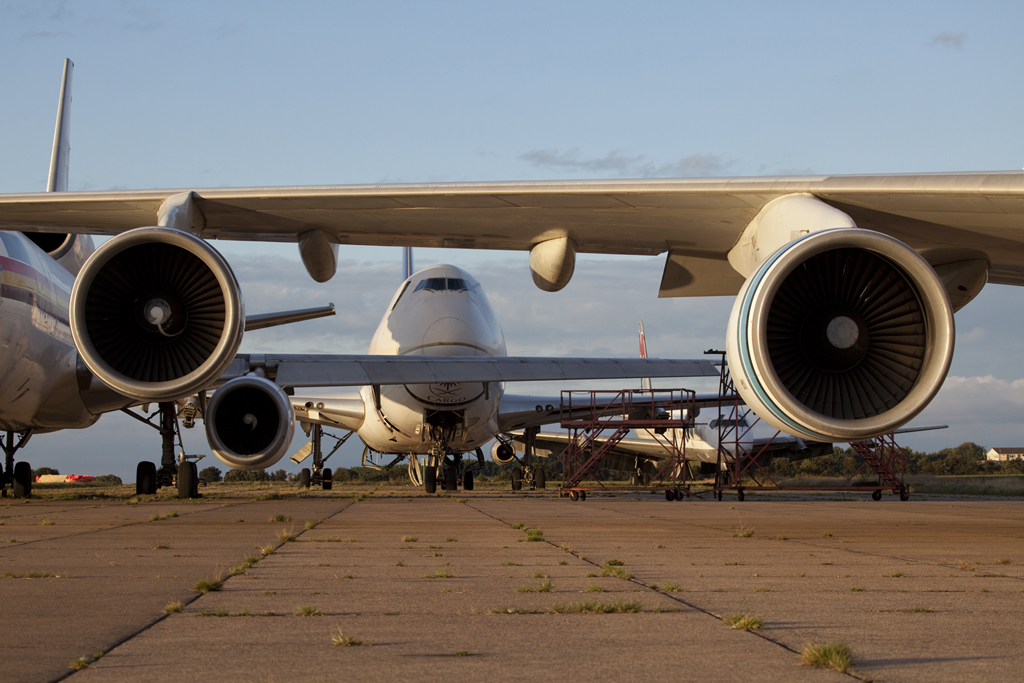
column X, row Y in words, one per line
column 145, row 479
column 451, row 479
column 22, row 480
column 328, row 482
column 467, row 481
column 517, row 479
column 430, row 479
column 876, row 494
column 904, row 494
column 540, row 478
column 195, row 480
column 304, row 477
column 186, row 480
column 574, row 495
column 670, row 495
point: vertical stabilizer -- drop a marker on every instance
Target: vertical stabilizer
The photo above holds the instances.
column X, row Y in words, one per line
column 645, row 383
column 59, row 160
column 407, row 262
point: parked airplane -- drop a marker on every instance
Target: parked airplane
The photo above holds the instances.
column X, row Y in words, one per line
column 155, row 315
column 842, row 327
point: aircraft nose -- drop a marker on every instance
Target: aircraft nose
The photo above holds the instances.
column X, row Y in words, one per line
column 449, row 337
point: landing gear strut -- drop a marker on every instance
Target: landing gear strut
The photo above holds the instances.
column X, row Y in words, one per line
column 318, row 475
column 529, row 471
column 183, row 474
column 449, row 469
column 18, row 475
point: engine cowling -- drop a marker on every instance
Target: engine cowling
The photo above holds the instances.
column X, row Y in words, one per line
column 157, row 314
column 841, row 335
column 249, row 423
column 502, row 454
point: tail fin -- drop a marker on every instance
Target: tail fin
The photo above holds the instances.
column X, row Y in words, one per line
column 645, row 383
column 407, row 262
column 61, row 156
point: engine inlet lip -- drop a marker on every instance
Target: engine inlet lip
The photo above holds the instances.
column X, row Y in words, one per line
column 939, row 326
column 224, row 351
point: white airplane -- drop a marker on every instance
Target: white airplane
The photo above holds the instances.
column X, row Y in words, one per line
column 842, row 327
column 155, row 315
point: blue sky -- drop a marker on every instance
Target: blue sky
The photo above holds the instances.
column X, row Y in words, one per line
column 236, row 94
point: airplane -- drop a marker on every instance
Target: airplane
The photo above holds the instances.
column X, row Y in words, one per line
column 845, row 287
column 155, row 315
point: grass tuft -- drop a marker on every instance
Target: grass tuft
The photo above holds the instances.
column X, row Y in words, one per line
column 341, row 640
column 1004, row 560
column 48, row 522
column 173, row 607
column 409, row 539
column 826, row 534
column 450, row 539
column 827, row 656
column 745, row 622
column 744, row 532
column 205, row 586
column 212, row 613
column 280, row 518
column 518, row 525
column 307, row 611
column 79, row 664
column 534, row 535
column 594, row 588
column 285, row 536
column 440, row 574
column 589, row 607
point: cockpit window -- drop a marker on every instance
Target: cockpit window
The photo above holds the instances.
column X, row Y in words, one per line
column 440, row 284
column 404, row 290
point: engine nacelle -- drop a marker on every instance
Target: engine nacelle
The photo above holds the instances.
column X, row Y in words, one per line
column 249, row 423
column 157, row 314
column 842, row 335
column 502, row 454
column 70, row 250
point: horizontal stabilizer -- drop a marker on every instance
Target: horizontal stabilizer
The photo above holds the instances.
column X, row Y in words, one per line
column 339, row 371
column 262, row 320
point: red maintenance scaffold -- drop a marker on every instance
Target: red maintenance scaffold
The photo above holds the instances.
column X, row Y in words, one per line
column 744, row 463
column 598, row 420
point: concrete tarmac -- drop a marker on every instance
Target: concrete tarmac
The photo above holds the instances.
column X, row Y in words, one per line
column 448, row 588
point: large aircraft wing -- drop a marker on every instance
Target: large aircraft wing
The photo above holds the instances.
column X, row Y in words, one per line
column 290, row 370
column 519, row 412
column 698, row 220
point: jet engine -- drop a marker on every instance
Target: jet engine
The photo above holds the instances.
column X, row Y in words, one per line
column 502, row 453
column 249, row 423
column 841, row 335
column 157, row 314
column 68, row 249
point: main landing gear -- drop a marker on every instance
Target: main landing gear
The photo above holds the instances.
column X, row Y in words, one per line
column 449, row 469
column 318, row 475
column 183, row 473
column 18, row 475
column 529, row 473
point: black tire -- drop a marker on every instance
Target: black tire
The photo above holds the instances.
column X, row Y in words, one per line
column 739, row 495
column 574, row 496
column 540, row 478
column 451, row 479
column 904, row 494
column 186, row 480
column 430, row 479
column 304, row 477
column 679, row 494
column 583, row 495
column 328, row 479
column 145, row 479
column 517, row 479
column 22, row 480
column 195, row 480
column 670, row 495
column 719, row 495
column 467, row 481
column 876, row 494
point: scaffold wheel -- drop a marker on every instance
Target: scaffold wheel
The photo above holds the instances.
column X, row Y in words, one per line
column 574, row 496
column 670, row 495
column 583, row 495
column 739, row 495
column 904, row 493
column 679, row 494
column 719, row 495
column 876, row 494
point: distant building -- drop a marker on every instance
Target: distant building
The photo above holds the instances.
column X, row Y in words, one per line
column 1004, row 454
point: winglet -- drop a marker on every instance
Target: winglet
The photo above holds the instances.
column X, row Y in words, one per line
column 61, row 156
column 645, row 383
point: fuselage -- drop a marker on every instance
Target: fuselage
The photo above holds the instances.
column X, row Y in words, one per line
column 439, row 311
column 38, row 385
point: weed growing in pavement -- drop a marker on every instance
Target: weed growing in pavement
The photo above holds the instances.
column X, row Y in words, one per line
column 173, row 607
column 154, row 518
column 440, row 574
column 161, row 546
column 267, row 550
column 943, row 562
column 836, row 656
column 307, row 611
column 284, row 535
column 565, row 547
column 894, row 575
column 1004, row 560
column 671, row 588
column 856, row 590
column 562, row 563
column 170, row 515
column 918, row 610
column 826, row 534
column 341, row 640
column 410, row 539
column 205, row 586
column 212, row 613
column 49, row 522
column 34, row 575
column 399, row 563
column 594, row 588
column 518, row 525
column 965, row 565
column 511, row 610
column 614, row 563
column 511, row 564
column 310, row 525
column 745, row 622
column 451, row 540
column 534, row 535
column 744, row 532
column 588, row 607
column 763, row 589
column 278, row 517
column 79, row 664
column 734, row 564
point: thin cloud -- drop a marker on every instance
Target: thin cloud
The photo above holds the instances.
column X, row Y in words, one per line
column 954, row 41
column 622, row 164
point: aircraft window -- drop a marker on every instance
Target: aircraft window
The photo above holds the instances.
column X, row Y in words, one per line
column 457, row 284
column 431, row 284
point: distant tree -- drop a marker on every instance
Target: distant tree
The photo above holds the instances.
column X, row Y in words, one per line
column 44, row 470
column 246, row 476
column 1013, row 467
column 279, row 475
column 210, row 475
column 109, row 479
